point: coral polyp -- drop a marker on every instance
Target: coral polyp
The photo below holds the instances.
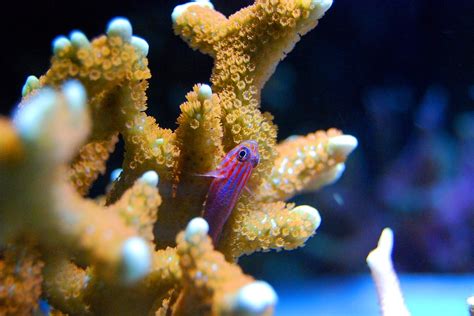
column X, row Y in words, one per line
column 144, row 244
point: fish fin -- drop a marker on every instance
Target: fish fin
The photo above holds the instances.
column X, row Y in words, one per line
column 212, row 174
column 246, row 188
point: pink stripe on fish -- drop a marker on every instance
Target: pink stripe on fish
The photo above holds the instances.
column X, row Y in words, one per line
column 230, row 179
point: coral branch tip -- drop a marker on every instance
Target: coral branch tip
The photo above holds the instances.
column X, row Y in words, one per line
column 136, row 259
column 60, row 43
column 255, row 298
column 120, row 27
column 381, row 256
column 28, row 120
column 32, row 83
column 178, row 10
column 76, row 96
column 323, row 4
column 197, row 228
column 79, row 39
column 342, row 145
column 470, row 304
column 310, row 213
column 140, row 45
column 205, row 92
column 150, row 177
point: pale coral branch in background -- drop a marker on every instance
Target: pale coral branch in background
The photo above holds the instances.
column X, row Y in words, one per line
column 386, row 281
column 470, row 305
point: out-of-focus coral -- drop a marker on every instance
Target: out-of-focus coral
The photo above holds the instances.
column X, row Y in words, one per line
column 20, row 280
column 470, row 304
column 123, row 247
column 211, row 285
column 385, row 278
column 431, row 175
column 421, row 186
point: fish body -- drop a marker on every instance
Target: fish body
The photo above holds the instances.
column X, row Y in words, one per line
column 230, row 178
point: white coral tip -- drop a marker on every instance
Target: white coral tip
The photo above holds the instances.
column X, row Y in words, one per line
column 136, row 259
column 76, row 96
column 323, row 4
column 470, row 303
column 32, row 83
column 342, row 145
column 196, row 227
column 140, row 45
column 205, row 92
column 204, row 3
column 29, row 119
column 120, row 27
column 79, row 39
column 60, row 43
column 380, row 257
column 178, row 10
column 150, row 177
column 256, row 298
column 309, row 213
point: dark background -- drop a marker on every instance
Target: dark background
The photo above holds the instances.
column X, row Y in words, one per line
column 398, row 75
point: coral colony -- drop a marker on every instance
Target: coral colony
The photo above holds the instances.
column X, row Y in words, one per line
column 144, row 248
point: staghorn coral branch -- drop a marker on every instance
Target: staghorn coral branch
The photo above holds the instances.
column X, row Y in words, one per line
column 264, row 226
column 199, row 141
column 114, row 71
column 138, row 206
column 386, row 281
column 307, row 163
column 212, row 286
column 199, row 124
column 117, row 248
column 20, row 279
column 249, row 44
column 147, row 146
column 64, row 285
column 35, row 126
column 57, row 215
column 82, row 292
column 96, row 235
column 90, row 162
column 246, row 48
column 201, row 30
column 142, row 297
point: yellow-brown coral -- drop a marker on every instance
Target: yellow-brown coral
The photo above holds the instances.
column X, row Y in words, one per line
column 123, row 247
column 20, row 280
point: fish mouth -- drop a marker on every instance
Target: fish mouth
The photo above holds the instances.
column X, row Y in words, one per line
column 255, row 160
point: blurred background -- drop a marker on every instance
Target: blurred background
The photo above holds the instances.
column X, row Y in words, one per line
column 398, row 75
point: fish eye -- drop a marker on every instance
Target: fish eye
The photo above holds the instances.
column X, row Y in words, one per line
column 243, row 154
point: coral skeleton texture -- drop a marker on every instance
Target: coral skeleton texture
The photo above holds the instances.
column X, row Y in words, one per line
column 143, row 249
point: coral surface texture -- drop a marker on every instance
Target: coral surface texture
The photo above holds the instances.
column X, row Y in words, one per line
column 143, row 247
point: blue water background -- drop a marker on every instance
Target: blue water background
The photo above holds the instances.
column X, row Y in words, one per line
column 432, row 295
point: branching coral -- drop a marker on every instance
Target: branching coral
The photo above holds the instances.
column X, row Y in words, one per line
column 386, row 281
column 210, row 284
column 123, row 248
column 20, row 280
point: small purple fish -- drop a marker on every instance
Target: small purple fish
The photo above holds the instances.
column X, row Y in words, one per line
column 230, row 179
